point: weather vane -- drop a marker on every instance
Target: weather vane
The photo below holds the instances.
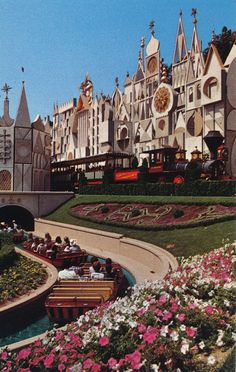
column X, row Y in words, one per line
column 6, row 89
column 194, row 12
column 151, row 27
column 117, row 81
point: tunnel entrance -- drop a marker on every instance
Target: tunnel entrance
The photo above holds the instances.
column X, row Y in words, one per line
column 22, row 216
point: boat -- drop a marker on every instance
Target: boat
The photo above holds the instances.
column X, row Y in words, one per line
column 71, row 298
column 61, row 260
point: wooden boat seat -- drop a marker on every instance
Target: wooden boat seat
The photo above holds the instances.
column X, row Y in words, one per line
column 104, row 292
column 90, row 283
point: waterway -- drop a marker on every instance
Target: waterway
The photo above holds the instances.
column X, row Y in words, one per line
column 22, row 327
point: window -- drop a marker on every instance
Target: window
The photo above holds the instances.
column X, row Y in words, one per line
column 190, row 94
column 161, row 124
column 198, row 91
column 210, row 87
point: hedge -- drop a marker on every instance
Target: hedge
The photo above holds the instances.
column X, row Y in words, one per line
column 8, row 256
column 196, row 188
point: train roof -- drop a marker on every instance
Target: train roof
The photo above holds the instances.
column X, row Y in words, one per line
column 92, row 159
column 166, row 149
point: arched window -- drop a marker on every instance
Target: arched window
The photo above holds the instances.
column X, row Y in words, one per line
column 210, row 87
column 198, row 91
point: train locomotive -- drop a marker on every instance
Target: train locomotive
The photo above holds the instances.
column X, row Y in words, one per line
column 169, row 164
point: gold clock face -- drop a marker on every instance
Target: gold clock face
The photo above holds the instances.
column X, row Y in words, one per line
column 162, row 99
column 152, row 65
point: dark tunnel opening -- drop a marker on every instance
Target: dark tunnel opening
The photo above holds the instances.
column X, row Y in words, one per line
column 22, row 216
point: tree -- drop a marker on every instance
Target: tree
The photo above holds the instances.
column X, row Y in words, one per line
column 223, row 43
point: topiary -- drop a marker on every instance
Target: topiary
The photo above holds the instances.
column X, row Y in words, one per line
column 104, row 209
column 178, row 213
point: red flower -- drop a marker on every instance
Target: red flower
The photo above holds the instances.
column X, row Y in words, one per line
column 104, row 341
column 24, row 353
column 181, row 317
column 48, row 362
column 209, row 310
column 96, row 367
column 4, row 355
column 191, row 331
column 88, row 363
column 167, row 316
column 61, row 367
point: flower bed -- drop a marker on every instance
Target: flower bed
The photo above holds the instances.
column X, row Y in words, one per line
column 23, row 276
column 152, row 214
column 183, row 323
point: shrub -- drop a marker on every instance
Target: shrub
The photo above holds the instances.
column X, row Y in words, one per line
column 178, row 213
column 104, row 209
column 7, row 256
column 135, row 212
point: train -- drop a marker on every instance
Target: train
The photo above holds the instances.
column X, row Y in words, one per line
column 166, row 164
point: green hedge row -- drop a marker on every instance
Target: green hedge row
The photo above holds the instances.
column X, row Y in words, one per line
column 196, row 188
column 8, row 256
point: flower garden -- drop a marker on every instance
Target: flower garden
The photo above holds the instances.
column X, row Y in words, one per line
column 183, row 323
column 23, row 276
column 153, row 215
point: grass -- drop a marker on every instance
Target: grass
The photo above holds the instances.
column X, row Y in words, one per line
column 180, row 242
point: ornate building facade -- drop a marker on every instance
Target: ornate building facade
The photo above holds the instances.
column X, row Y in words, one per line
column 24, row 149
column 151, row 112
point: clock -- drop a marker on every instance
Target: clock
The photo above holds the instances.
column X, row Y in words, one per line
column 152, row 65
column 162, row 99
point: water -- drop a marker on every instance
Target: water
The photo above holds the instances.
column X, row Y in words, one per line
column 25, row 327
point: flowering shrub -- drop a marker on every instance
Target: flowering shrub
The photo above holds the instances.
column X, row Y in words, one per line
column 21, row 277
column 177, row 324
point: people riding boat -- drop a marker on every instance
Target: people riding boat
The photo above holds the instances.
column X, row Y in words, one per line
column 96, row 269
column 74, row 247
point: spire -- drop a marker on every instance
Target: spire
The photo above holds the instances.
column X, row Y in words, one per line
column 181, row 49
column 196, row 48
column 22, row 116
column 154, row 44
column 6, row 119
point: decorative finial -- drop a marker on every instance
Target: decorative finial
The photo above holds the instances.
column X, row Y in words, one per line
column 127, row 74
column 194, row 12
column 180, row 13
column 117, row 81
column 6, row 89
column 142, row 42
column 151, row 27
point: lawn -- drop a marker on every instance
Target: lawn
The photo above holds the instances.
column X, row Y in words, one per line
column 180, row 242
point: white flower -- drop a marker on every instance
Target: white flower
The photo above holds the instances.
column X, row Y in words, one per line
column 211, row 360
column 185, row 347
column 164, row 331
column 227, row 303
column 201, row 345
column 174, row 335
column 234, row 336
column 155, row 367
column 182, row 327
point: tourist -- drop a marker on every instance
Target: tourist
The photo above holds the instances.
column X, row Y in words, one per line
column 74, row 247
column 41, row 249
column 96, row 272
column 14, row 225
column 67, row 273
column 35, row 244
column 66, row 242
column 109, row 272
column 80, row 273
column 94, row 260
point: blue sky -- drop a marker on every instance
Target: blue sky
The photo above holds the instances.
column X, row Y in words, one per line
column 59, row 41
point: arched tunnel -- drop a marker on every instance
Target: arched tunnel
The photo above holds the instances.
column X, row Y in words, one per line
column 22, row 216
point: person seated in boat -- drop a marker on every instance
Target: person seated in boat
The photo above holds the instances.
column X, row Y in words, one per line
column 94, row 260
column 41, row 248
column 14, row 226
column 28, row 243
column 35, row 244
column 67, row 273
column 66, row 242
column 109, row 271
column 80, row 273
column 97, row 273
column 74, row 247
column 48, row 239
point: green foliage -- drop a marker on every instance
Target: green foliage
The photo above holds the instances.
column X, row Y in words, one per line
column 194, row 188
column 178, row 213
column 135, row 163
column 82, row 179
column 7, row 256
column 223, row 43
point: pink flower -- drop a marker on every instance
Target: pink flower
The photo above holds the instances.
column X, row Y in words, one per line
column 48, row 362
column 24, row 353
column 88, row 363
column 149, row 337
column 191, row 331
column 181, row 317
column 4, row 355
column 159, row 312
column 142, row 328
column 135, row 358
column 162, row 300
column 96, row 367
column 174, row 307
column 23, row 370
column 61, row 367
column 111, row 362
column 104, row 341
column 192, row 306
column 167, row 316
column 63, row 358
column 209, row 310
